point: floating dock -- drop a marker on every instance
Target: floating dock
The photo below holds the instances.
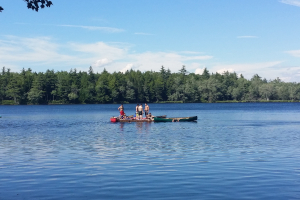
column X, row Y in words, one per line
column 115, row 119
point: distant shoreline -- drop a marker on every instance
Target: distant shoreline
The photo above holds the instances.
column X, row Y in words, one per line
column 171, row 102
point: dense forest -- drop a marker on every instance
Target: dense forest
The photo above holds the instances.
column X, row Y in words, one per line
column 75, row 87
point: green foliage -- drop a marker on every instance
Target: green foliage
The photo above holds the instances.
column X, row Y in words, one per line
column 211, row 89
column 36, row 4
column 170, row 102
column 8, row 102
column 74, row 87
column 56, row 102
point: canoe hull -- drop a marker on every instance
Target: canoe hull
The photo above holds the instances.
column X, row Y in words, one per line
column 176, row 119
column 113, row 119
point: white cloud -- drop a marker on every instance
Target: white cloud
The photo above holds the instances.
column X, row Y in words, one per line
column 191, row 52
column 247, row 66
column 170, row 60
column 99, row 48
column 154, row 60
column 269, row 70
column 197, row 57
column 195, row 65
column 96, row 28
column 128, row 67
column 288, row 74
column 13, row 68
column 102, row 62
column 40, row 49
column 291, row 2
column 43, row 53
column 221, row 71
column 199, row 71
column 295, row 53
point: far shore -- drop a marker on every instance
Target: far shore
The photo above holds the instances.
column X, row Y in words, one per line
column 171, row 102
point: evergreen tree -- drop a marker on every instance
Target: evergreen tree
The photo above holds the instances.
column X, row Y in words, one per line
column 205, row 74
column 28, row 87
column 13, row 86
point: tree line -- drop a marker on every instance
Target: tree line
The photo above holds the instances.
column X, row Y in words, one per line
column 73, row 87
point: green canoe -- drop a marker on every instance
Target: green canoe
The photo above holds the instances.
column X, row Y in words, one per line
column 176, row 119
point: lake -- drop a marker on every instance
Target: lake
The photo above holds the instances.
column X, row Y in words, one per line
column 233, row 151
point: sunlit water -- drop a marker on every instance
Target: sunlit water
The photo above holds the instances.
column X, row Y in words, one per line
column 234, row 151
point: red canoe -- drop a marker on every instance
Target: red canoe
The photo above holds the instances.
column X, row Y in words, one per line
column 113, row 119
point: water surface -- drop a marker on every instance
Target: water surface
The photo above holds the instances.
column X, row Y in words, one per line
column 234, row 151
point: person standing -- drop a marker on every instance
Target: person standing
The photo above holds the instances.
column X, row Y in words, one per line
column 137, row 111
column 140, row 111
column 146, row 110
column 121, row 109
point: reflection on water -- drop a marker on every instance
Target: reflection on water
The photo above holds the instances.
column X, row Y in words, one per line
column 122, row 126
column 139, row 127
column 74, row 152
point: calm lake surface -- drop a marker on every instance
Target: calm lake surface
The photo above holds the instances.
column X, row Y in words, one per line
column 234, row 151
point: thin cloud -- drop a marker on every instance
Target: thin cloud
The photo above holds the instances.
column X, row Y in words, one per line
column 221, row 71
column 44, row 53
column 40, row 49
column 197, row 57
column 191, row 52
column 101, row 62
column 249, row 69
column 91, row 28
column 199, row 71
column 247, row 37
column 295, row 53
column 291, row 2
column 96, row 28
column 128, row 67
column 247, row 66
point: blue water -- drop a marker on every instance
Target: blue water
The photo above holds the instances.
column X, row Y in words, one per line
column 234, row 151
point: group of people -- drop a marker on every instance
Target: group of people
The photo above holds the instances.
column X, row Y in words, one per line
column 138, row 111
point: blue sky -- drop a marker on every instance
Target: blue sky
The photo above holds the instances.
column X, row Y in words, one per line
column 245, row 36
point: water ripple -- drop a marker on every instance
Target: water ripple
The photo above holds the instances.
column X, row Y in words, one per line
column 76, row 153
